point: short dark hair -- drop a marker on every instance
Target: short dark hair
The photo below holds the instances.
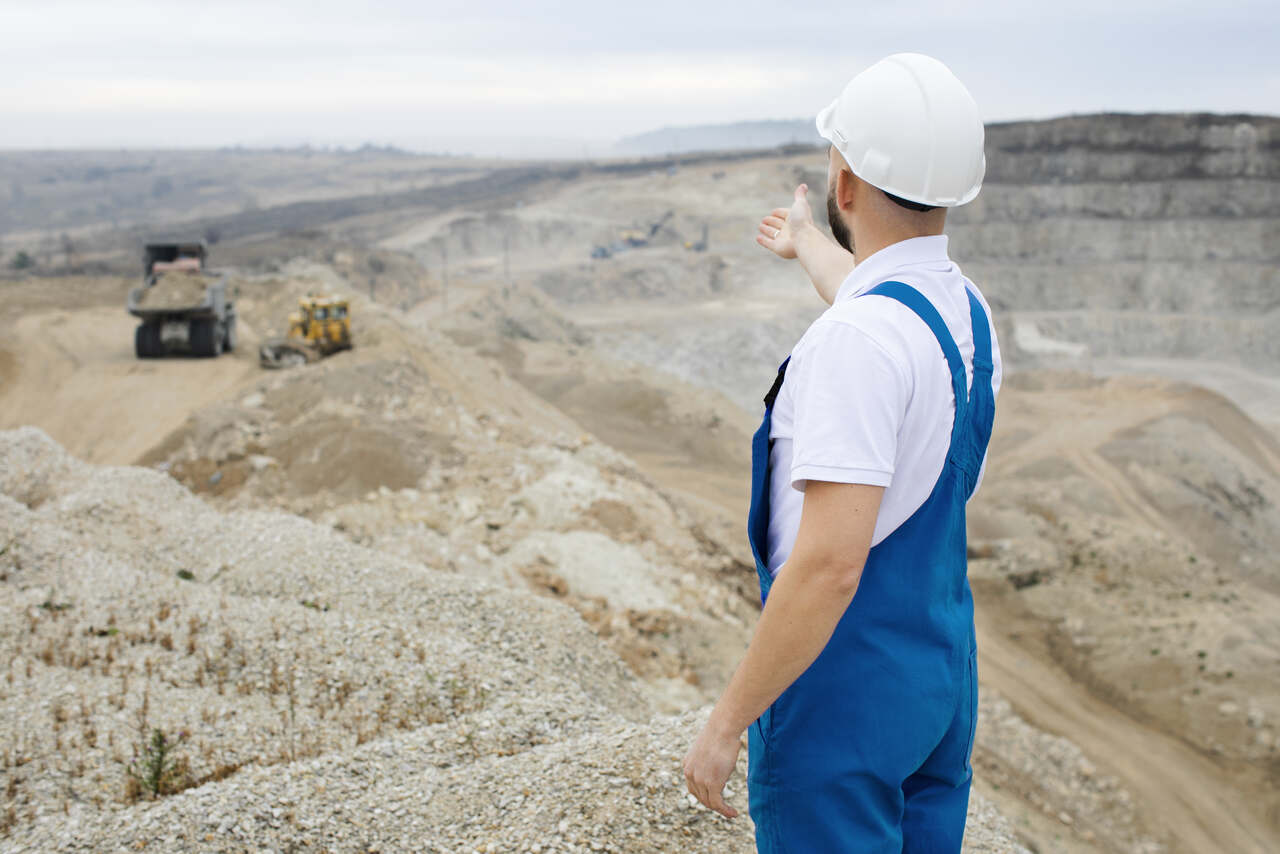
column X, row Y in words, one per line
column 909, row 205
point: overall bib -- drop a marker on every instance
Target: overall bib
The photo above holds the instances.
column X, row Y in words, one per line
column 868, row 750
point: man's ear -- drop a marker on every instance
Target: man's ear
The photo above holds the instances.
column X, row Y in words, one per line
column 846, row 188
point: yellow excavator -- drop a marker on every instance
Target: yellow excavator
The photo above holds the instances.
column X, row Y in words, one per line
column 320, row 327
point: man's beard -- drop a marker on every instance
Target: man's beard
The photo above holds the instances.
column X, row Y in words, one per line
column 838, row 229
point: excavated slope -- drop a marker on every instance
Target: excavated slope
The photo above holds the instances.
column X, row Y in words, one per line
column 325, row 696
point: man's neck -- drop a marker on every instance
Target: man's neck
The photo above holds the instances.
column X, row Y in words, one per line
column 870, row 238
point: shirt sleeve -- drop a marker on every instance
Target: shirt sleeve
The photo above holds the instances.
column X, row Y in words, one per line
column 850, row 398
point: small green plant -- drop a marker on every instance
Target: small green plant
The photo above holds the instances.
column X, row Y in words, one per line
column 22, row 260
column 156, row 768
column 50, row 605
column 186, row 575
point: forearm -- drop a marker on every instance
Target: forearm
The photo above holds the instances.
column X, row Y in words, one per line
column 805, row 604
column 826, row 262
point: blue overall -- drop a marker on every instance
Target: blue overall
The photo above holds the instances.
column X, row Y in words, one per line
column 868, row 750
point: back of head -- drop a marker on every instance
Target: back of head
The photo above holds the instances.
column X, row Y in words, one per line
column 910, row 128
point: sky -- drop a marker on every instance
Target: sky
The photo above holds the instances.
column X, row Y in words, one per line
column 569, row 78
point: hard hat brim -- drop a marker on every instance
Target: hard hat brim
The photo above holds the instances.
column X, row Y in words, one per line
column 826, row 128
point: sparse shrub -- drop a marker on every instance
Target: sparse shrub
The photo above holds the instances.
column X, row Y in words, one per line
column 156, row 768
column 22, row 260
column 186, row 575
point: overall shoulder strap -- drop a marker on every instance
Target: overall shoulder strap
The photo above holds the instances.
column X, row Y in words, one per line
column 924, row 309
column 982, row 403
column 981, row 336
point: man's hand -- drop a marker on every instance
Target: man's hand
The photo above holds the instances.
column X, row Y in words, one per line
column 791, row 233
column 779, row 228
column 708, row 765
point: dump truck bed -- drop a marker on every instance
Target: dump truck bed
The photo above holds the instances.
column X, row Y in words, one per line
column 179, row 293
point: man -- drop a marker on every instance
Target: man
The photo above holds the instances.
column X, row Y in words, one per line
column 860, row 684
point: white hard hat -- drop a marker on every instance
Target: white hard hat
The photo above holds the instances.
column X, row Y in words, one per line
column 907, row 126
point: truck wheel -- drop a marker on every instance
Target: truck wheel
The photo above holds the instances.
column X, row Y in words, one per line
column 206, row 338
column 229, row 340
column 146, row 341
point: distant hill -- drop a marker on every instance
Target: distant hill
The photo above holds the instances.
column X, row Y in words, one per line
column 1051, row 134
column 729, row 137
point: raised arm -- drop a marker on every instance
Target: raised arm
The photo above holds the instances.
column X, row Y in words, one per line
column 791, row 233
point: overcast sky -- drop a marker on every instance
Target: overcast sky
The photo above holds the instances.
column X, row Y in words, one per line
column 532, row 78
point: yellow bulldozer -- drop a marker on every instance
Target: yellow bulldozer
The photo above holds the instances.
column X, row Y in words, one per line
column 320, row 327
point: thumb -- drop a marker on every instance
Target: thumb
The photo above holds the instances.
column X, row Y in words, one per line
column 801, row 191
column 716, row 802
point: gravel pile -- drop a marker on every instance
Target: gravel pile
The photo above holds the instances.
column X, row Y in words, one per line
column 316, row 694
column 176, row 290
column 411, row 447
column 619, row 790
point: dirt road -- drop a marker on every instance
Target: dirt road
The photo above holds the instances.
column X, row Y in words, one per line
column 75, row 375
column 1180, row 794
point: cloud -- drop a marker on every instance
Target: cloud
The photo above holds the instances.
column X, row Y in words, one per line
column 82, row 73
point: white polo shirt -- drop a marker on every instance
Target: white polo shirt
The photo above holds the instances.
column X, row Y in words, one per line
column 867, row 395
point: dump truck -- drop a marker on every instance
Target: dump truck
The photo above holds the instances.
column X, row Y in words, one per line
column 184, row 308
column 320, row 327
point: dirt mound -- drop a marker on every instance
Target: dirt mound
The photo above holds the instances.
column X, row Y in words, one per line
column 311, row 688
column 418, row 447
column 176, row 290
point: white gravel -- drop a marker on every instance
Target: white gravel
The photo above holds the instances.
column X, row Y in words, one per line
column 331, row 697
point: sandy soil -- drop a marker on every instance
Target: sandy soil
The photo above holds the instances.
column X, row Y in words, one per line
column 1181, row 795
column 75, row 374
column 1123, row 547
column 1051, row 425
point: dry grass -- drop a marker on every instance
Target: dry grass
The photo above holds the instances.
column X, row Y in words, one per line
column 140, row 665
